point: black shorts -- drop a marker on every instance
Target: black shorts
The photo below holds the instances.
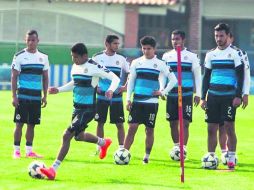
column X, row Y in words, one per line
column 116, row 111
column 220, row 109
column 80, row 119
column 28, row 111
column 143, row 113
column 172, row 108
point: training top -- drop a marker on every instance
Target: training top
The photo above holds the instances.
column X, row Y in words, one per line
column 116, row 63
column 30, row 67
column 190, row 64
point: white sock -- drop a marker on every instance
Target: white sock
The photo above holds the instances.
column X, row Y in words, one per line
column 17, row 148
column 56, row 164
column 121, row 146
column 231, row 156
column 101, row 141
column 176, row 144
column 146, row 156
column 28, row 149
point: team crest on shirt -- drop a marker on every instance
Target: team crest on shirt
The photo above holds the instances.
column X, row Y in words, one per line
column 117, row 62
column 155, row 65
column 167, row 116
column 96, row 116
column 139, row 63
column 85, row 70
column 229, row 55
column 40, row 59
column 18, row 117
column 185, row 58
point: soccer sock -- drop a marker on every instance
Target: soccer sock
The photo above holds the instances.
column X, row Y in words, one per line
column 212, row 153
column 176, row 144
column 223, row 151
column 231, row 156
column 56, row 164
column 101, row 141
column 28, row 149
column 146, row 156
column 17, row 148
column 121, row 146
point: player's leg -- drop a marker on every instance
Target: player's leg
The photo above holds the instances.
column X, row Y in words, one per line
column 229, row 123
column 117, row 117
column 213, row 118
column 20, row 117
column 101, row 117
column 33, row 119
column 66, row 139
column 222, row 137
column 150, row 113
column 172, row 117
column 187, row 116
column 133, row 127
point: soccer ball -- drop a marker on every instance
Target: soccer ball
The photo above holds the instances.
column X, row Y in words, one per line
column 34, row 169
column 122, row 156
column 175, row 153
column 225, row 157
column 210, row 161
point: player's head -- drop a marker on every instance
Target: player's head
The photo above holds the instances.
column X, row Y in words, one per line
column 31, row 40
column 79, row 53
column 177, row 38
column 148, row 45
column 221, row 34
column 112, row 43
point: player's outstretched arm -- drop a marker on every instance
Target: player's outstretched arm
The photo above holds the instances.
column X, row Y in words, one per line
column 66, row 88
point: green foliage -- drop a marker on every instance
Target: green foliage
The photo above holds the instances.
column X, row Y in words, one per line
column 80, row 170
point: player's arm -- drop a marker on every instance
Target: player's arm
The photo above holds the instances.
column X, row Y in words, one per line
column 65, row 88
column 45, row 79
column 126, row 70
column 171, row 81
column 14, row 78
column 246, row 81
column 130, row 85
column 206, row 81
column 197, row 79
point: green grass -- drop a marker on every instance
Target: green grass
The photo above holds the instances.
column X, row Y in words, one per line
column 82, row 171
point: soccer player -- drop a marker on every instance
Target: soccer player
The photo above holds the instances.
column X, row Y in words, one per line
column 191, row 76
column 29, row 77
column 144, row 82
column 245, row 93
column 222, row 90
column 116, row 63
column 85, row 75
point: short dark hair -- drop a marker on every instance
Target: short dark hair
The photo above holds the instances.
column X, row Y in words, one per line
column 222, row 26
column 32, row 32
column 148, row 40
column 179, row 32
column 79, row 48
column 110, row 38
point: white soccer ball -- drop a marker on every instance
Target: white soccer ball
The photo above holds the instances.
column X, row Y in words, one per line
column 225, row 157
column 122, row 156
column 210, row 161
column 175, row 153
column 34, row 169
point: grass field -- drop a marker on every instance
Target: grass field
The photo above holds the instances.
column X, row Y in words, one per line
column 80, row 170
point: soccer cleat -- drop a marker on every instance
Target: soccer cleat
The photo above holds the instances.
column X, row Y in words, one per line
column 16, row 154
column 231, row 165
column 104, row 148
column 33, row 155
column 145, row 161
column 49, row 172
